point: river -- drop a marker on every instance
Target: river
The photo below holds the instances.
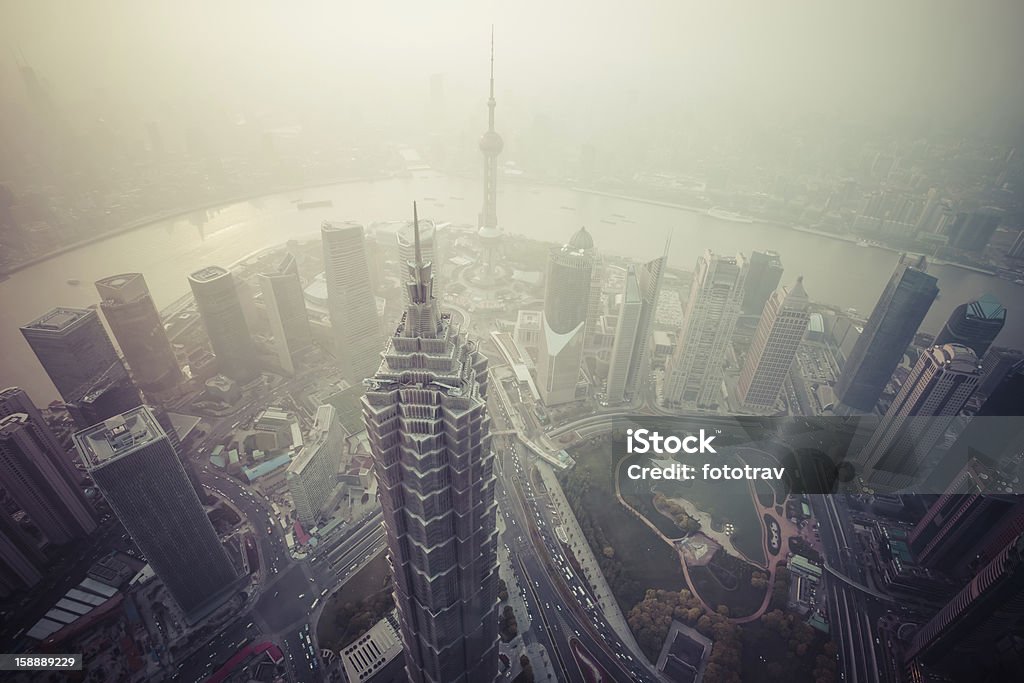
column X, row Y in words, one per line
column 834, row 271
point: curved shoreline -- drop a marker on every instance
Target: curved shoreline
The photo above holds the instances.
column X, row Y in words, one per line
column 175, row 213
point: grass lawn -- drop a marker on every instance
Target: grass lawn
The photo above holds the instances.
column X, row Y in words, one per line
column 642, row 559
column 726, row 581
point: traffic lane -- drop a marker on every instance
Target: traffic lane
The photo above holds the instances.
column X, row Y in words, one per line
column 286, row 599
column 218, row 650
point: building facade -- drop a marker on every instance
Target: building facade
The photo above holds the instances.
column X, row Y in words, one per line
column 975, row 324
column 313, row 473
column 567, row 299
column 74, row 349
column 220, row 309
column 626, row 338
column 286, row 312
column 355, row 326
column 39, row 482
column 139, row 331
column 889, row 331
column 763, row 277
column 426, row 417
column 694, row 372
column 939, row 385
column 132, row 462
column 779, row 333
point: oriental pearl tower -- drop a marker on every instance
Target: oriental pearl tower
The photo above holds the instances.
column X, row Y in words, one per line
column 491, row 145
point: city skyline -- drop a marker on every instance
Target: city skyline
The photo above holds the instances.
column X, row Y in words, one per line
column 260, row 425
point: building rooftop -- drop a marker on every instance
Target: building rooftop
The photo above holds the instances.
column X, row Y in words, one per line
column 986, row 308
column 117, row 437
column 325, row 417
column 58, row 319
column 208, row 273
column 373, row 650
column 265, row 468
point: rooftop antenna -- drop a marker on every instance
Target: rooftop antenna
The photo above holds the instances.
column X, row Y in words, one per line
column 490, row 102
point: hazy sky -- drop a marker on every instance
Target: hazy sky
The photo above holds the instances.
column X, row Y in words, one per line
column 863, row 58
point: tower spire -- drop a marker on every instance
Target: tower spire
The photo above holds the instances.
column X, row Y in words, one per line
column 491, row 102
column 416, row 238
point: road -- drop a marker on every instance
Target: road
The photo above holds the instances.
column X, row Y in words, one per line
column 853, row 614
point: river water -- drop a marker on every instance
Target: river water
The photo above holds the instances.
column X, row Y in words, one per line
column 834, row 272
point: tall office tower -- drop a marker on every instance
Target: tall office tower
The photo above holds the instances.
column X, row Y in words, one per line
column 313, row 474
column 406, row 248
column 221, row 311
column 110, row 395
column 426, row 415
column 350, row 300
column 595, row 304
column 16, row 400
column 975, row 324
column 961, row 640
column 139, row 331
column 771, row 355
column 20, row 559
column 37, row 480
column 491, row 145
column 938, row 386
column 694, row 372
column 971, row 515
column 649, row 279
column 286, row 311
column 73, row 347
column 132, row 462
column 626, row 337
column 971, row 230
column 889, row 331
column 1006, row 398
column 763, row 276
column 995, row 365
column 567, row 296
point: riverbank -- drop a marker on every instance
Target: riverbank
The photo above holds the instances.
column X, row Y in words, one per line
column 176, row 213
column 850, row 239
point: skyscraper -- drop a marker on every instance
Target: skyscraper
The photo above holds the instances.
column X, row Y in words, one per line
column 350, row 301
column 313, row 473
column 567, row 296
column 20, row 559
column 112, row 394
column 132, row 462
column 968, row 517
column 139, row 331
column 776, row 340
column 625, row 344
column 491, row 145
column 889, row 331
column 1007, row 397
column 286, row 311
column 971, row 230
column 693, row 374
column 406, row 248
column 73, row 347
column 649, row 279
column 763, row 277
column 939, row 385
column 426, row 416
column 975, row 324
column 961, row 639
column 221, row 311
column 995, row 365
column 38, row 481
